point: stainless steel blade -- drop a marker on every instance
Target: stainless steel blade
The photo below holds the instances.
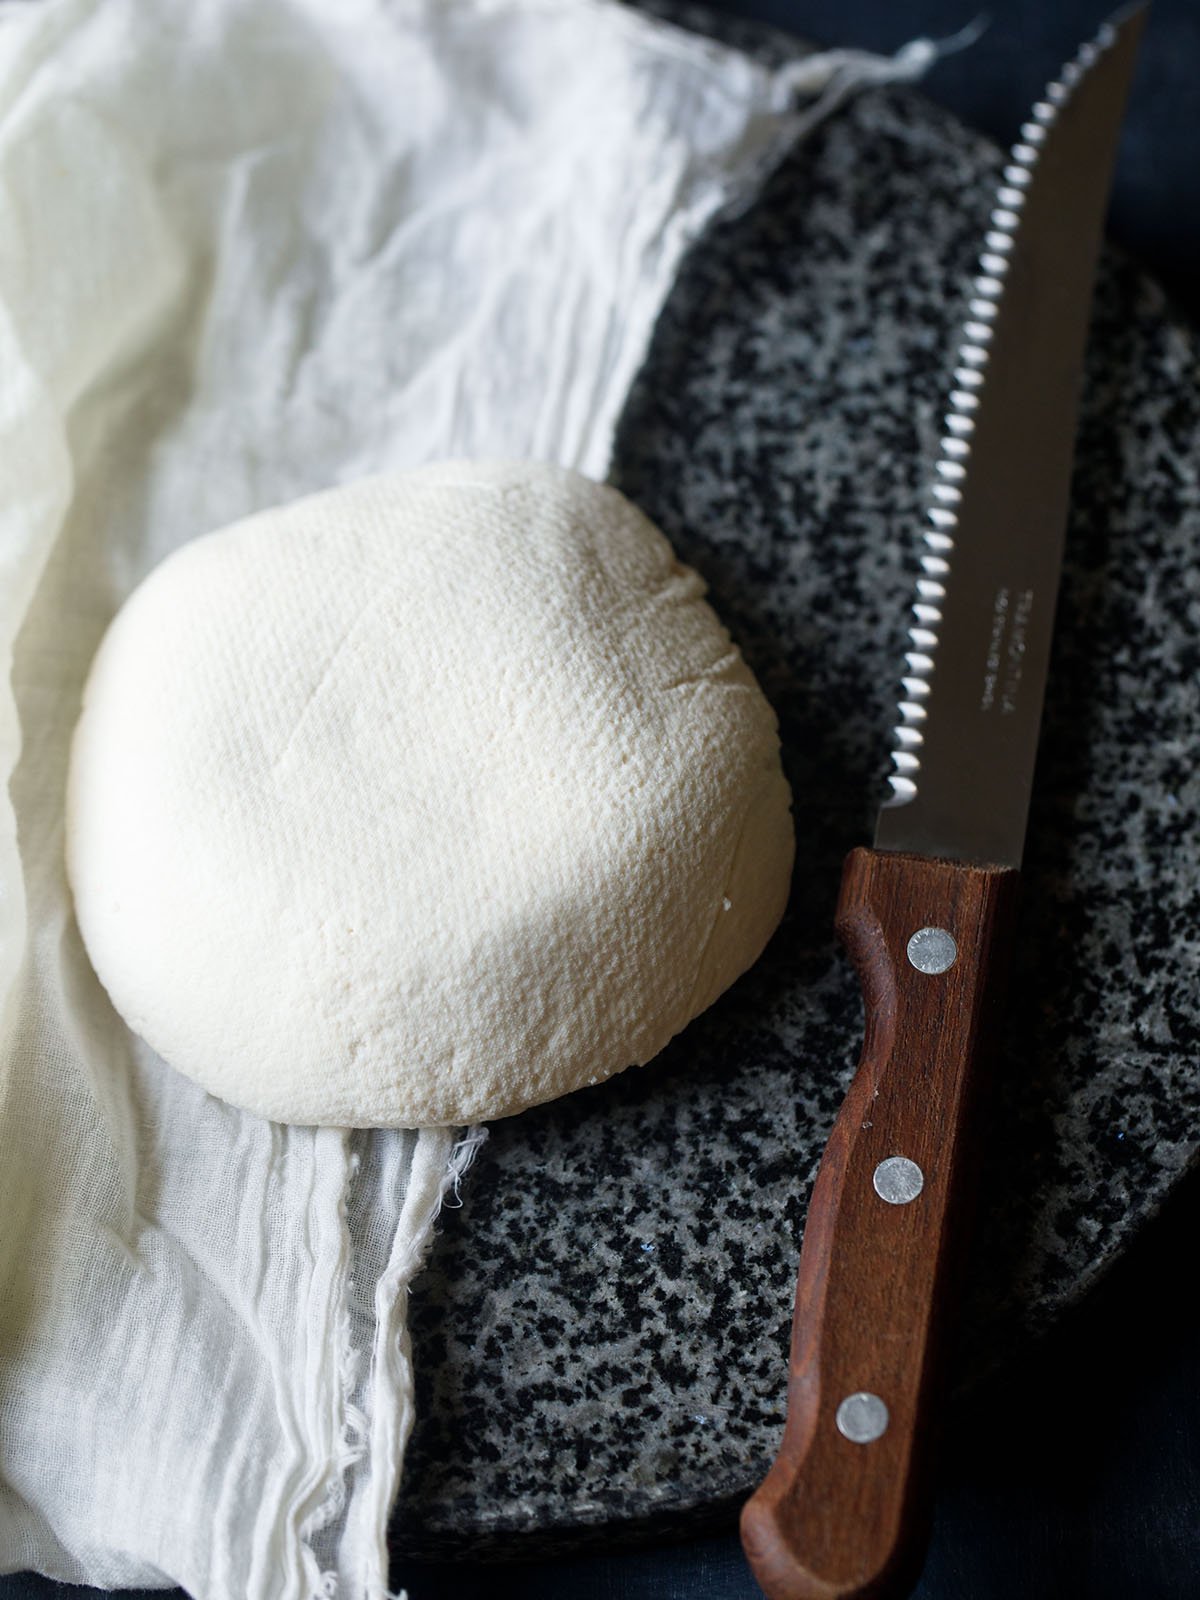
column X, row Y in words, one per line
column 985, row 607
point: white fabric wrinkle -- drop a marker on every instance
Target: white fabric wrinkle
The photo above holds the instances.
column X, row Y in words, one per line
column 437, row 1171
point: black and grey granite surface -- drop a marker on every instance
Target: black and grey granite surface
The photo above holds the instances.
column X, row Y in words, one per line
column 600, row 1338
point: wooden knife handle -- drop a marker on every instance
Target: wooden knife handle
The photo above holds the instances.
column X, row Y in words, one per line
column 844, row 1510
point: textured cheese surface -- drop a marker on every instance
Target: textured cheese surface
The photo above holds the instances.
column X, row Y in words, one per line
column 423, row 800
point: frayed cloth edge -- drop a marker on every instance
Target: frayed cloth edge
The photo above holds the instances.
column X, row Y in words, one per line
column 440, row 1161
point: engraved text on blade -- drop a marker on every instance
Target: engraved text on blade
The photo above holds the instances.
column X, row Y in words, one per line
column 1006, row 650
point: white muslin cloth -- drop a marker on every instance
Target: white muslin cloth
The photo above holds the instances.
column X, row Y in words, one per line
column 250, row 248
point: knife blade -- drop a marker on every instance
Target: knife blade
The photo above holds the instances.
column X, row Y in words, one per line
column 927, row 915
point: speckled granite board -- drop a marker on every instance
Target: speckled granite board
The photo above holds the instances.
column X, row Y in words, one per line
column 600, row 1339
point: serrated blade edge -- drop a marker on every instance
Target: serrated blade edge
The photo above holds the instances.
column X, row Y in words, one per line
column 963, row 751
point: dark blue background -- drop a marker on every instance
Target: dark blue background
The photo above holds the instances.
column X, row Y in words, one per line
column 1075, row 1473
column 1156, row 197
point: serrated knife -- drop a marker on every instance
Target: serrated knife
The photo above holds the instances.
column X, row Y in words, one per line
column 926, row 915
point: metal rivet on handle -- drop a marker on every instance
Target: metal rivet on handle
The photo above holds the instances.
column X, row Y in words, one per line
column 862, row 1417
column 898, row 1180
column 932, row 950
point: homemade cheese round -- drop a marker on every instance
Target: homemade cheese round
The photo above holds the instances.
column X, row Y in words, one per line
column 423, row 800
